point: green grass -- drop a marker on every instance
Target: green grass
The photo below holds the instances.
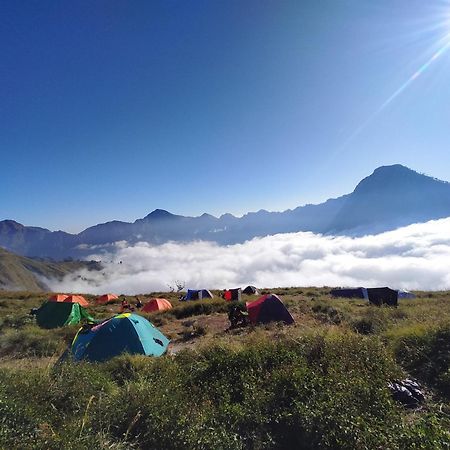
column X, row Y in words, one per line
column 319, row 384
column 425, row 353
column 315, row 391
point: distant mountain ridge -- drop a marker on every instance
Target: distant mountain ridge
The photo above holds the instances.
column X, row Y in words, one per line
column 21, row 273
column 392, row 196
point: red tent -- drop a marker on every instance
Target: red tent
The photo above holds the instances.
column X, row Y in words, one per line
column 268, row 308
column 156, row 304
column 57, row 298
column 105, row 298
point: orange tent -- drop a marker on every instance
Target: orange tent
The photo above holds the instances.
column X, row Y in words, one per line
column 105, row 298
column 76, row 299
column 57, row 298
column 156, row 304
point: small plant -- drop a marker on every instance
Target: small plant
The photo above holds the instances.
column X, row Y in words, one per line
column 194, row 330
column 426, row 355
column 364, row 326
column 327, row 313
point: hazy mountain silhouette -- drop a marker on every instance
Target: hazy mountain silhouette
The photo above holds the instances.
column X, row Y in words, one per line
column 391, row 197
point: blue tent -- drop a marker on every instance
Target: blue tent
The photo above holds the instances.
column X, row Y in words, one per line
column 196, row 294
column 377, row 296
column 405, row 294
column 124, row 333
column 359, row 292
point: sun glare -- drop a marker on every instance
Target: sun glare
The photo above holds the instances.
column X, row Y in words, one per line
column 440, row 27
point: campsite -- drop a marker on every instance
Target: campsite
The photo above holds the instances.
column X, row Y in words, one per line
column 225, row 225
column 319, row 380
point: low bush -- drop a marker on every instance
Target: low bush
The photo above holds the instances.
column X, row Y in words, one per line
column 197, row 308
column 16, row 320
column 194, row 330
column 373, row 320
column 327, row 313
column 29, row 341
column 425, row 353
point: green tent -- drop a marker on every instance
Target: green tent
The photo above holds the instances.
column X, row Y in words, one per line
column 59, row 314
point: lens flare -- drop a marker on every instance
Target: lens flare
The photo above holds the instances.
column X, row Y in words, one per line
column 438, row 54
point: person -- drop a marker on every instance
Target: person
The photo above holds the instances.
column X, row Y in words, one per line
column 139, row 304
column 124, row 305
column 227, row 295
column 237, row 317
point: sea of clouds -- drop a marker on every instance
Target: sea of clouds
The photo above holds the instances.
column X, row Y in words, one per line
column 413, row 257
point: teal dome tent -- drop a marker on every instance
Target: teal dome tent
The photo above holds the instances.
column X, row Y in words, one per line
column 124, row 333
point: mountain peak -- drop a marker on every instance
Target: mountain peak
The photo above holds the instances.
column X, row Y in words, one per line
column 207, row 216
column 227, row 216
column 394, row 177
column 159, row 214
column 12, row 224
column 394, row 169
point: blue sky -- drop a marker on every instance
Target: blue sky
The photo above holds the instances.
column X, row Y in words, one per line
column 111, row 109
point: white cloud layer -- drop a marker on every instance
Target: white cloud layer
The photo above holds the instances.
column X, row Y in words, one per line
column 413, row 257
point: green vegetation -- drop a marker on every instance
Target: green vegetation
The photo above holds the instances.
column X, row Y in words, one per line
column 320, row 384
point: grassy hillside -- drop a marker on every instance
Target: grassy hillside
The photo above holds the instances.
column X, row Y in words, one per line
column 319, row 384
column 18, row 272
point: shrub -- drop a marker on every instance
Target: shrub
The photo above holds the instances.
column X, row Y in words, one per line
column 17, row 320
column 425, row 353
column 29, row 341
column 327, row 313
column 196, row 308
column 374, row 320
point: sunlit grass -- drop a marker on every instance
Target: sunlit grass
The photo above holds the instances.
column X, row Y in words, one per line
column 321, row 383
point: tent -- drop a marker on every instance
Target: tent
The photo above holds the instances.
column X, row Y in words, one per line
column 236, row 294
column 250, row 290
column 232, row 294
column 124, row 333
column 377, row 296
column 405, row 294
column 59, row 314
column 157, row 304
column 268, row 308
column 70, row 299
column 197, row 294
column 105, row 298
column 383, row 295
column 58, row 297
column 359, row 292
column 77, row 299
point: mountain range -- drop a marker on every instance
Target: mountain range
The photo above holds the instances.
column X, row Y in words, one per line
column 391, row 197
